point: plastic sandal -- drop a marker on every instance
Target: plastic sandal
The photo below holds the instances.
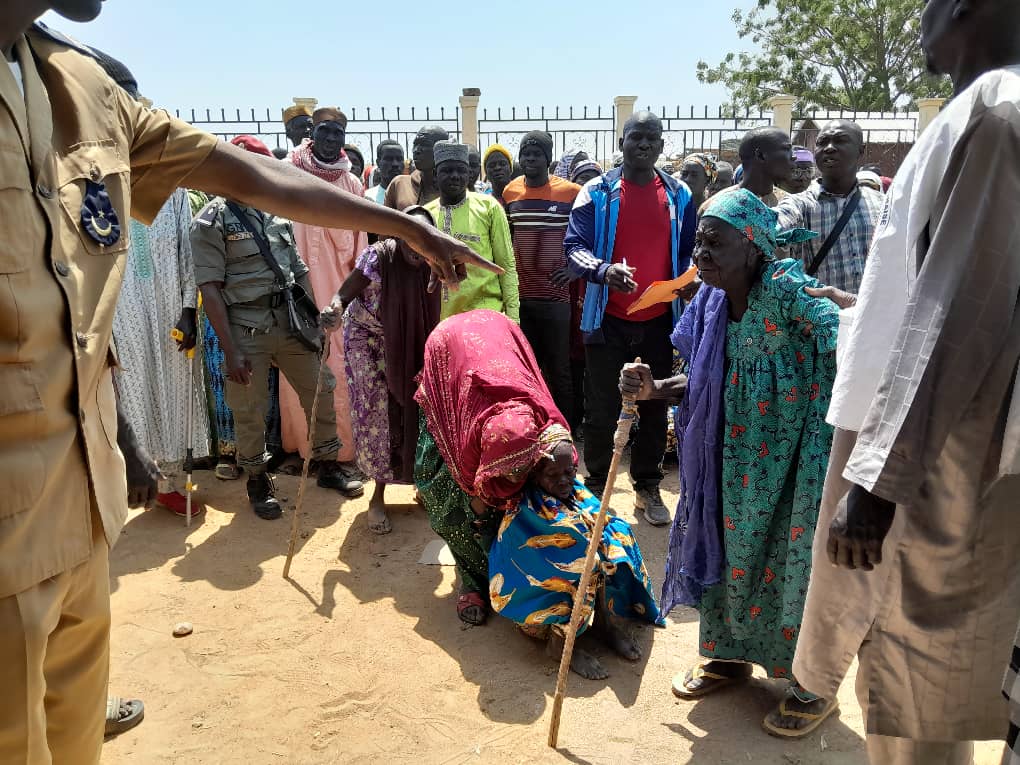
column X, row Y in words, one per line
column 465, row 601
column 699, row 672
column 115, row 724
column 816, row 720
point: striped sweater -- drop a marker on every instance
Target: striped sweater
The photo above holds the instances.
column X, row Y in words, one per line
column 538, row 221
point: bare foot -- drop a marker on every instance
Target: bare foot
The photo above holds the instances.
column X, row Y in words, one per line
column 581, row 662
column 378, row 520
column 587, row 666
column 617, row 638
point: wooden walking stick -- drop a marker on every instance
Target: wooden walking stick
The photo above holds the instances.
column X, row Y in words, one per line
column 628, row 414
column 312, row 417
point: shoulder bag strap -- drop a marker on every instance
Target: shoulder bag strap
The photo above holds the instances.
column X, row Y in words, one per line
column 260, row 240
column 830, row 240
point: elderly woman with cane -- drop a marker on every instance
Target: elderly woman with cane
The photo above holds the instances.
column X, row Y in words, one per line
column 753, row 446
column 496, row 470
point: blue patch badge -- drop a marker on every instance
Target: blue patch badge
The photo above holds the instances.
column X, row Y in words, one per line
column 98, row 217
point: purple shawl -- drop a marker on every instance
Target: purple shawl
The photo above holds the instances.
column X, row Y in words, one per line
column 696, row 558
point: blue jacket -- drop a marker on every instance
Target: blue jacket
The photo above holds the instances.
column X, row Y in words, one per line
column 591, row 234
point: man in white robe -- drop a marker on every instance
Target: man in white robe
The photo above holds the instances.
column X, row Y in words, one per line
column 927, row 449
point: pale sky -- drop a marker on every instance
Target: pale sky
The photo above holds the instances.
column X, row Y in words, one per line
column 261, row 53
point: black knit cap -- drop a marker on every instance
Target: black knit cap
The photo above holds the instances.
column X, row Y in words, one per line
column 541, row 139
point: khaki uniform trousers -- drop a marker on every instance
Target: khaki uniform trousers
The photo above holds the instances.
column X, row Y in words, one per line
column 54, row 665
column 250, row 402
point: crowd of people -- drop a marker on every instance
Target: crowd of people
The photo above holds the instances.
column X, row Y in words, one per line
column 839, row 379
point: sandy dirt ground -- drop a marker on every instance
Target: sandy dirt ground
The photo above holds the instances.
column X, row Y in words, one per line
column 361, row 658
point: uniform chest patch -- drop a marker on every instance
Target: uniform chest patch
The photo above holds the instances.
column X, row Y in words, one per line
column 98, row 217
column 237, row 236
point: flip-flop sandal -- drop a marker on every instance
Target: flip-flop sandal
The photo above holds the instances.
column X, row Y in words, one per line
column 815, row 720
column 464, row 601
column 117, row 724
column 717, row 682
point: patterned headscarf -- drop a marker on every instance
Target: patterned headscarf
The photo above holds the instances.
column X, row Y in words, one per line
column 486, row 404
column 707, row 161
column 743, row 210
column 551, row 437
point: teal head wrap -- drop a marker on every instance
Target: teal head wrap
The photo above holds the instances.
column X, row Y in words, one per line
column 754, row 219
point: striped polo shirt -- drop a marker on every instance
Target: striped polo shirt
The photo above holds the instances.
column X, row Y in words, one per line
column 538, row 221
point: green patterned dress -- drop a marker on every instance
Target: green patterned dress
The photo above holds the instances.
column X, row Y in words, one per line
column 775, row 452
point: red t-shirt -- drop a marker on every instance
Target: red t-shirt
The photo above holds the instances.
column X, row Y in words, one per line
column 642, row 238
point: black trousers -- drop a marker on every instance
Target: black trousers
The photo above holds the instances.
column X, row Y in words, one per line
column 546, row 324
column 625, row 340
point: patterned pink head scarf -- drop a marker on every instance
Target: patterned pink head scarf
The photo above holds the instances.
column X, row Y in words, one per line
column 486, row 404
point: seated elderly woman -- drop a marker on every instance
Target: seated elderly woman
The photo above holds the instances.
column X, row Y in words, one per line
column 753, row 446
column 496, row 470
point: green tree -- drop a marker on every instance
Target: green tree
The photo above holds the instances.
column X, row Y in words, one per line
column 851, row 54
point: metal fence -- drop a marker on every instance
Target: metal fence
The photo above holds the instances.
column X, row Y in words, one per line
column 365, row 129
column 713, row 131
column 888, row 136
column 592, row 130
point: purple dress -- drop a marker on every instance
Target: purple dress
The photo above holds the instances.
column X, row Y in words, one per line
column 364, row 355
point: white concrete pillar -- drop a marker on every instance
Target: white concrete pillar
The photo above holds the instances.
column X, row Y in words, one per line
column 624, row 111
column 928, row 109
column 469, row 116
column 782, row 111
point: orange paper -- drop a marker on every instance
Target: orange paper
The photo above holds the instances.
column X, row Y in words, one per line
column 662, row 292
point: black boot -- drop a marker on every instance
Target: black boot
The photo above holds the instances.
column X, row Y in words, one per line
column 260, row 494
column 336, row 475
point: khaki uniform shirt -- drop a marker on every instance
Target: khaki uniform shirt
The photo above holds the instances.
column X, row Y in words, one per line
column 225, row 251
column 59, row 459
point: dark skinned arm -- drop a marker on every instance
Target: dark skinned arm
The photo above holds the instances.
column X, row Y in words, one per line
column 636, row 381
column 142, row 472
column 353, row 286
column 280, row 188
column 238, row 366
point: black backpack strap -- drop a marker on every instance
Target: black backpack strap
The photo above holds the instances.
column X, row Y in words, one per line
column 830, row 240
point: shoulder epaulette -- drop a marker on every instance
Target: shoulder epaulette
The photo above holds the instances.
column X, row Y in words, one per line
column 208, row 214
column 62, row 39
